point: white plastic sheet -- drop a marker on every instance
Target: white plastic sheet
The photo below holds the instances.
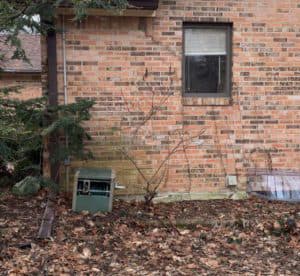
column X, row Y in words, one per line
column 280, row 185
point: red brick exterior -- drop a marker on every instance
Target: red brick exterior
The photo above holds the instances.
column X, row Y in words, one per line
column 17, row 72
column 130, row 64
column 29, row 83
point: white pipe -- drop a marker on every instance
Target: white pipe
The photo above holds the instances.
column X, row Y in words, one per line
column 219, row 73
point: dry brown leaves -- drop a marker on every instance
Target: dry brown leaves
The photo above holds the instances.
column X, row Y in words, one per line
column 251, row 237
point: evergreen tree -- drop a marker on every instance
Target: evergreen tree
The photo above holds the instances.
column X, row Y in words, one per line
column 24, row 125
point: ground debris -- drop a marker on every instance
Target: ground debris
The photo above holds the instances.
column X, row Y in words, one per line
column 218, row 237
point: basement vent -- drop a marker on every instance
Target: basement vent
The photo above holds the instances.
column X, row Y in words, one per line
column 231, row 181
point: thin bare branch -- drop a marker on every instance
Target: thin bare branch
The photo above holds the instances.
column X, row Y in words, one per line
column 125, row 153
column 174, row 150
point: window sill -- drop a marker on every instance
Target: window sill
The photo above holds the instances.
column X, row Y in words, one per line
column 204, row 101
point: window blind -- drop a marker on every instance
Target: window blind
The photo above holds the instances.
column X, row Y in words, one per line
column 205, row 42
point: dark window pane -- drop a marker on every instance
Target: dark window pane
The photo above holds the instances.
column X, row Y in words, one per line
column 205, row 74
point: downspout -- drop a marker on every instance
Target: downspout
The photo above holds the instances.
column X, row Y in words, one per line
column 67, row 161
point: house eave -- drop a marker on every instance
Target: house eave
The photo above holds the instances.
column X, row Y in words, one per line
column 132, row 4
column 144, row 4
column 136, row 8
column 14, row 71
column 101, row 12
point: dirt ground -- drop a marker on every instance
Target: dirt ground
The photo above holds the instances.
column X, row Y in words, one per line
column 216, row 237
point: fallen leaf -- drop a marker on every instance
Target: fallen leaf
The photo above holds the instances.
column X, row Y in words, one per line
column 86, row 253
column 210, row 262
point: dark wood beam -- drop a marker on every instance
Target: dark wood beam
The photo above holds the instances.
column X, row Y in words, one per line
column 144, row 4
column 52, row 98
column 52, row 71
column 134, row 4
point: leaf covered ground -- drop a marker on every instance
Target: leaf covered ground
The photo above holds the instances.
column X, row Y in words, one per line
column 217, row 237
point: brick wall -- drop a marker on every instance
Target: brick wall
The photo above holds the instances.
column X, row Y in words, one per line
column 132, row 65
column 30, row 84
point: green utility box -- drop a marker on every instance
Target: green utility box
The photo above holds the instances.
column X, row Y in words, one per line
column 93, row 190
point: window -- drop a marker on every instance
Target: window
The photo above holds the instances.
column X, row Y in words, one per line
column 207, row 60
